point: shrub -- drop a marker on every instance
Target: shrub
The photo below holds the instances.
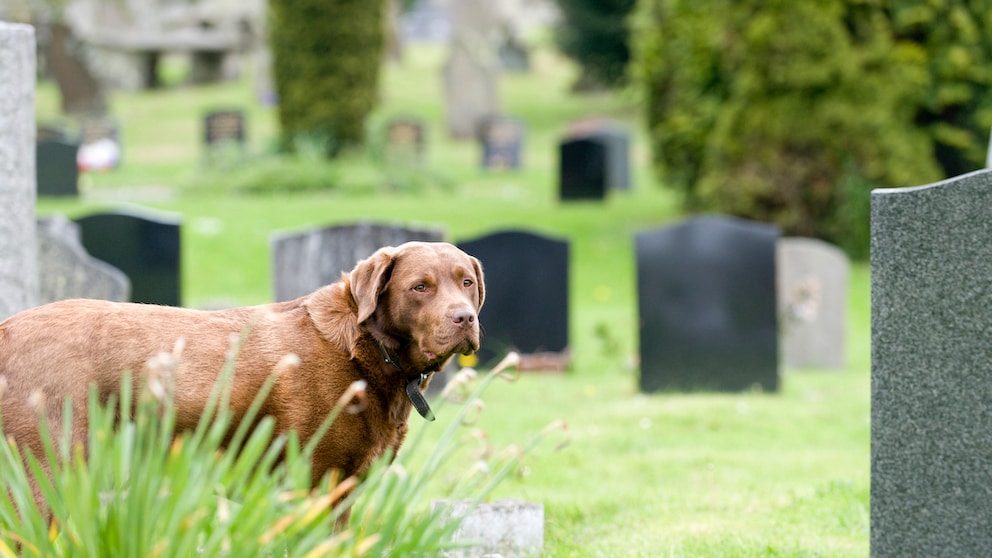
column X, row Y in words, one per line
column 326, row 56
column 595, row 34
column 790, row 112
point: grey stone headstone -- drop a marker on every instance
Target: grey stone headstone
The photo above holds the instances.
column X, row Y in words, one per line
column 706, row 301
column 406, row 140
column 18, row 250
column 931, row 366
column 506, row 528
column 471, row 73
column 144, row 246
column 502, row 140
column 526, row 306
column 66, row 271
column 812, row 302
column 304, row 262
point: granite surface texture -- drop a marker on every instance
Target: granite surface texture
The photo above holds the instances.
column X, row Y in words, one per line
column 931, row 418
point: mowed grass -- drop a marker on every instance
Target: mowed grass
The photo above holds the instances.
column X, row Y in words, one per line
column 749, row 474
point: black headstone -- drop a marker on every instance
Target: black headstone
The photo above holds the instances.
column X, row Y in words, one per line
column 145, row 248
column 223, row 127
column 582, row 170
column 706, row 301
column 526, row 306
column 57, row 170
column 594, row 159
column 502, row 142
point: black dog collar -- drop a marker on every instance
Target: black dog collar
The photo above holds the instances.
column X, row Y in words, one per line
column 412, row 387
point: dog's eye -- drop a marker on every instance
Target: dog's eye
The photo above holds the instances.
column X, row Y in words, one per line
column 468, row 283
column 420, row 287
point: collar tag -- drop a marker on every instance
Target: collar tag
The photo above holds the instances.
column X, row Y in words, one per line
column 417, row 398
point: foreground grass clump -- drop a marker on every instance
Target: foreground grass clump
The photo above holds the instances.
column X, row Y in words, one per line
column 141, row 489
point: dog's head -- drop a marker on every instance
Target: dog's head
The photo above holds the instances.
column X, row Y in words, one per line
column 422, row 298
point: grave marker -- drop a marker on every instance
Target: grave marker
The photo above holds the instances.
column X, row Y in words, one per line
column 303, row 262
column 67, row 271
column 505, row 528
column 501, row 139
column 526, row 306
column 224, row 127
column 812, row 300
column 405, row 141
column 145, row 247
column 594, row 159
column 471, row 73
column 931, row 311
column 57, row 168
column 706, row 301
column 18, row 249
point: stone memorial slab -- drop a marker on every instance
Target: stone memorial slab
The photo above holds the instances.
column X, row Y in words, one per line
column 506, row 528
column 224, row 127
column 812, row 301
column 594, row 159
column 706, row 301
column 931, row 316
column 18, row 249
column 305, row 261
column 406, row 140
column 526, row 306
column 66, row 271
column 471, row 73
column 501, row 138
column 57, row 168
column 144, row 246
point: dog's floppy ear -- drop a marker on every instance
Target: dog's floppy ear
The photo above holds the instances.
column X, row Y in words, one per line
column 368, row 280
column 480, row 281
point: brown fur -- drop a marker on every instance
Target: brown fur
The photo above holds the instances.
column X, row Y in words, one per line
column 59, row 349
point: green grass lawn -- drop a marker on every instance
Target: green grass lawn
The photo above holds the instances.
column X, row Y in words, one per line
column 749, row 474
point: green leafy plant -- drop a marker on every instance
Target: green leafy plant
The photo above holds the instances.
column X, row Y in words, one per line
column 142, row 489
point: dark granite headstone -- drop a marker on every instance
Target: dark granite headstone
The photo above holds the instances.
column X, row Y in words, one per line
column 224, row 127
column 706, row 300
column 405, row 141
column 502, row 140
column 303, row 262
column 594, row 159
column 526, row 306
column 146, row 248
column 57, row 170
column 582, row 171
column 931, row 357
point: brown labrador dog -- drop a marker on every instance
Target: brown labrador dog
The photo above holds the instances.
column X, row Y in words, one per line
column 395, row 319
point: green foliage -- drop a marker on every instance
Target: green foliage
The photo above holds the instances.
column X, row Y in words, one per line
column 326, row 56
column 141, row 489
column 595, row 34
column 755, row 114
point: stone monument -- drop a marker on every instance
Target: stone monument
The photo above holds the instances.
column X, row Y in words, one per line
column 931, row 321
column 18, row 252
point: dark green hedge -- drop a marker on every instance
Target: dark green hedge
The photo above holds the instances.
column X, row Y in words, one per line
column 791, row 112
column 595, row 33
column 326, row 57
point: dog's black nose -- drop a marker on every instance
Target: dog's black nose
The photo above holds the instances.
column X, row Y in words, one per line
column 463, row 317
